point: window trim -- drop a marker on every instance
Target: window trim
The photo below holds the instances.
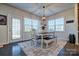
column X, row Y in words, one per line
column 31, row 24
column 12, row 25
column 55, row 24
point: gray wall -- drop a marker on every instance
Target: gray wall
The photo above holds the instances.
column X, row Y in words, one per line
column 5, row 31
column 69, row 28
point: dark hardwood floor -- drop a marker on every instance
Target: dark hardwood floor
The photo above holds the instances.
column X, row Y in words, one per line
column 13, row 49
column 69, row 50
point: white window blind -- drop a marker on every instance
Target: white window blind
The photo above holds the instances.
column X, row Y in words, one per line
column 30, row 24
column 56, row 25
column 15, row 28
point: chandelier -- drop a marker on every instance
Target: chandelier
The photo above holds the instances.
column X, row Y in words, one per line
column 43, row 17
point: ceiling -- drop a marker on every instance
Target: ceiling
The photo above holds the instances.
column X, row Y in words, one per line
column 37, row 8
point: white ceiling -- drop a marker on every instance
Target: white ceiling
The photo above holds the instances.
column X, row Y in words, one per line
column 37, row 8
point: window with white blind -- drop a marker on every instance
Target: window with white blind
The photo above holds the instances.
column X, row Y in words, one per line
column 51, row 24
column 15, row 28
column 59, row 24
column 35, row 24
column 56, row 25
column 27, row 25
column 30, row 24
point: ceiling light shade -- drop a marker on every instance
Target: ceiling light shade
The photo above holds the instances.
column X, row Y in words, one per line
column 43, row 17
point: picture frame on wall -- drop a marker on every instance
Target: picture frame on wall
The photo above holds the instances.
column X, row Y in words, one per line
column 70, row 21
column 3, row 19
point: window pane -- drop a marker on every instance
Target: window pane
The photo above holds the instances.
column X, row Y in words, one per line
column 51, row 26
column 59, row 28
column 27, row 21
column 56, row 25
column 51, row 22
column 60, row 24
column 30, row 24
column 27, row 24
column 15, row 28
column 51, row 29
column 27, row 28
column 59, row 21
column 35, row 24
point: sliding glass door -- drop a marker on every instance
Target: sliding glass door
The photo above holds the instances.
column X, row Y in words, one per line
column 16, row 28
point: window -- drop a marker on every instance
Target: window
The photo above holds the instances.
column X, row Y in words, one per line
column 59, row 24
column 56, row 25
column 35, row 25
column 15, row 28
column 51, row 25
column 30, row 24
column 27, row 25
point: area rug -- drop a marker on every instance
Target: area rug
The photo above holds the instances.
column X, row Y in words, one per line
column 52, row 50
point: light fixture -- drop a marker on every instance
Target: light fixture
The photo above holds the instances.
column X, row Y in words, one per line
column 43, row 17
